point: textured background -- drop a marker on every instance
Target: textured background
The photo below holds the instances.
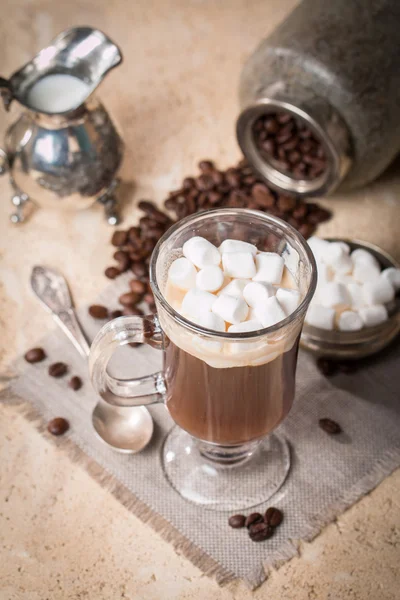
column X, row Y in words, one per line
column 175, row 99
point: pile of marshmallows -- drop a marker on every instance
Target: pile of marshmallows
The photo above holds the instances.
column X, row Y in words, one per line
column 231, row 288
column 352, row 291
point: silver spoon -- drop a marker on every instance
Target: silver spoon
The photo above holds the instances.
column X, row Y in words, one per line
column 125, row 429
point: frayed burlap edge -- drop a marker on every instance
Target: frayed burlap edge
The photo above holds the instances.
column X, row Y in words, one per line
column 381, row 469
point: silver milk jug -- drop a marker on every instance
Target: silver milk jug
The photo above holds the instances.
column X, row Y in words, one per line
column 63, row 151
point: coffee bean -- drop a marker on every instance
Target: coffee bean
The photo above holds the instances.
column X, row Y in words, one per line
column 129, row 299
column 135, row 344
column 291, row 144
column 217, row 177
column 138, row 287
column 119, row 238
column 132, row 311
column 237, row 521
column 330, row 426
column 171, row 204
column 300, row 211
column 149, row 298
column 269, row 147
column 97, row 311
column 286, row 203
column 151, row 209
column 326, row 366
column 58, row 369
column 319, row 215
column 271, row 125
column 260, row 532
column 262, row 195
column 139, row 269
column 123, row 260
column 284, row 117
column 294, row 157
column 134, row 234
column 112, row 272
column 188, row 183
column 206, row 166
column 306, row 230
column 58, row 426
column 214, row 198
column 253, row 518
column 191, row 205
column 35, row 355
column 205, row 183
column 273, row 516
column 115, row 314
column 75, row 383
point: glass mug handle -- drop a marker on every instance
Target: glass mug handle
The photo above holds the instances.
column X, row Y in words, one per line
column 139, row 391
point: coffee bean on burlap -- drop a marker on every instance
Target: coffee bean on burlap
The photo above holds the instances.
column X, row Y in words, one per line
column 260, row 532
column 237, row 521
column 330, row 426
column 253, row 518
column 273, row 516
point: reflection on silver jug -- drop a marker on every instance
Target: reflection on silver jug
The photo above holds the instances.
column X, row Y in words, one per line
column 64, row 151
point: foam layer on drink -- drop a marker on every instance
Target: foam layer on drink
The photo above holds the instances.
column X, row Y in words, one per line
column 228, row 315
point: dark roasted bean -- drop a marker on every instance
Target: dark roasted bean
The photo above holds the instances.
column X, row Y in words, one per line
column 123, row 260
column 132, row 311
column 35, row 355
column 138, row 287
column 330, row 426
column 262, row 195
column 237, row 521
column 129, row 299
column 119, row 238
column 134, row 234
column 97, row 311
column 205, row 183
column 260, row 532
column 58, row 369
column 253, row 518
column 115, row 314
column 75, row 383
column 58, row 426
column 112, row 272
column 135, row 344
column 306, row 230
column 273, row 516
column 188, row 183
column 206, row 166
column 286, row 203
column 139, row 269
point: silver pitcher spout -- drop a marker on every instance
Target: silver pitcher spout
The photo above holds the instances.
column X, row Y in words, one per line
column 64, row 150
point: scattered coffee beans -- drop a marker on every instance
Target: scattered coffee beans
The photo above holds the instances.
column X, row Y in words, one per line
column 237, row 521
column 35, row 355
column 273, row 516
column 253, row 518
column 289, row 145
column 75, row 383
column 58, row 426
column 330, row 426
column 98, row 312
column 235, row 187
column 57, row 369
column 260, row 532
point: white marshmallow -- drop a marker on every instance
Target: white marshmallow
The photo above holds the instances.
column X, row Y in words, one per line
column 379, row 291
column 235, row 288
column 337, row 257
column 231, row 309
column 209, row 320
column 342, row 278
column 335, row 295
column 252, row 325
column 356, row 295
column 269, row 267
column 239, row 264
column 373, row 315
column 288, row 299
column 196, row 302
column 361, row 256
column 237, row 246
column 318, row 246
column 350, row 321
column 210, row 278
column 257, row 292
column 270, row 312
column 393, row 276
column 345, row 247
column 324, row 272
column 320, row 316
column 201, row 252
column 182, row 274
column 364, row 271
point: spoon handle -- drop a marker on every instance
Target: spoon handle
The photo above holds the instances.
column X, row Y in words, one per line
column 52, row 290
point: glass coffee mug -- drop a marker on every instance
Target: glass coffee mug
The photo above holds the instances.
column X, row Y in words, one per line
column 226, row 392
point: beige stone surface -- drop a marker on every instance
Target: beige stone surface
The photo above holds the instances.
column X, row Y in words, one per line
column 61, row 535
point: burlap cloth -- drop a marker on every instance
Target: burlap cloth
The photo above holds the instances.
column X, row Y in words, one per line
column 328, row 473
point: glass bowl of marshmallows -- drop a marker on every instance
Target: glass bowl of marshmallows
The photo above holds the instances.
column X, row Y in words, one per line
column 355, row 311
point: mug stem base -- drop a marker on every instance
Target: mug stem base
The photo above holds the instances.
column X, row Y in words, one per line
column 225, row 478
